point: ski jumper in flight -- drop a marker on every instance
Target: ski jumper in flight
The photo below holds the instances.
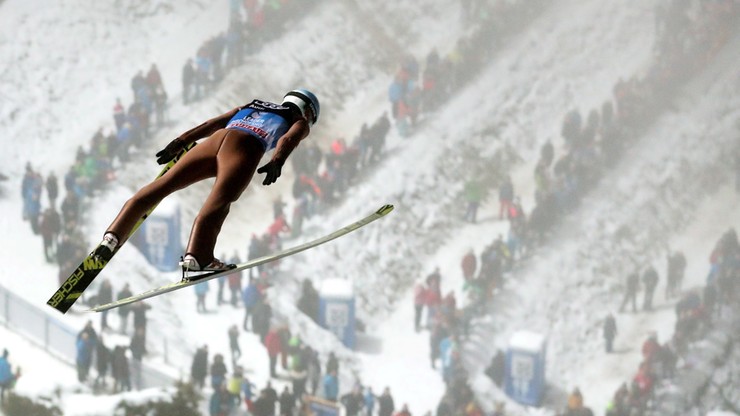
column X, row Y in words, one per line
column 235, row 142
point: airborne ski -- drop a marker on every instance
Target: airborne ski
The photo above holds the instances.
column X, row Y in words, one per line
column 91, row 266
column 381, row 212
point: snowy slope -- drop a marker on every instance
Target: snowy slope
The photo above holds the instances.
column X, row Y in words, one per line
column 671, row 191
column 69, row 60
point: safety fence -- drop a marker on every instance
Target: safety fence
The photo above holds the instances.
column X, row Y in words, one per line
column 56, row 337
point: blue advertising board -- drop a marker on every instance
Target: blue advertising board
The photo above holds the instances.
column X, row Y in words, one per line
column 337, row 309
column 525, row 368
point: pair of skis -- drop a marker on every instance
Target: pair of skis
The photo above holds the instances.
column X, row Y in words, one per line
column 73, row 287
column 194, row 280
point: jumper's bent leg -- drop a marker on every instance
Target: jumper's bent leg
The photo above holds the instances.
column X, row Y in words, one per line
column 197, row 164
column 237, row 161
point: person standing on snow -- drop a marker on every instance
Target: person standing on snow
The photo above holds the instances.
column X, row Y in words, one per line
column 102, row 361
column 469, row 265
column 236, row 352
column 314, row 370
column 474, row 194
column 235, row 282
column 505, row 197
column 675, row 273
column 274, row 347
column 199, row 368
column 309, row 302
column 420, row 296
column 218, row 371
column 52, row 188
column 630, row 293
column 123, row 311
column 262, row 406
column 120, row 370
column 6, row 375
column 250, row 297
column 287, row 402
column 200, row 293
column 236, row 141
column 105, row 295
column 353, row 402
column 84, row 356
column 386, row 407
column 331, row 386
column 138, row 350
column 650, row 279
column 369, row 401
column 50, row 226
column 610, row 331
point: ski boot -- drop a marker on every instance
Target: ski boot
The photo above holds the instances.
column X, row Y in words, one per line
column 190, row 264
column 107, row 247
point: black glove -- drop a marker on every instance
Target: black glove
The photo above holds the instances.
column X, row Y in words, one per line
column 170, row 151
column 272, row 169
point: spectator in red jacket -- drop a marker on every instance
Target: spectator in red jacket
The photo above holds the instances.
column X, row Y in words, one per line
column 278, row 226
column 404, row 411
column 650, row 348
column 274, row 346
column 644, row 381
column 505, row 196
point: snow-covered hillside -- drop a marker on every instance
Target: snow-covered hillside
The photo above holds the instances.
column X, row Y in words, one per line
column 69, row 60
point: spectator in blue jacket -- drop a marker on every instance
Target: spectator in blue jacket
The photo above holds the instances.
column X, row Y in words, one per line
column 331, row 386
column 221, row 403
column 200, row 291
column 250, row 296
column 31, row 190
column 6, row 375
column 369, row 400
column 84, row 356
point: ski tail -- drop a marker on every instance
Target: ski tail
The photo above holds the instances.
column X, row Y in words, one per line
column 380, row 213
column 73, row 287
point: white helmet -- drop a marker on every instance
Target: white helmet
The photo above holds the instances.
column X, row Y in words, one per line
column 304, row 99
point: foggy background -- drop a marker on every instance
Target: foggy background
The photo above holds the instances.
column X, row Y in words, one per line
column 616, row 123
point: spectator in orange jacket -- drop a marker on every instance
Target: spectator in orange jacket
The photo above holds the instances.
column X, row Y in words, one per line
column 575, row 400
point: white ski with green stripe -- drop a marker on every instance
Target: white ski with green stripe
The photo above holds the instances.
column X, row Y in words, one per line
column 380, row 213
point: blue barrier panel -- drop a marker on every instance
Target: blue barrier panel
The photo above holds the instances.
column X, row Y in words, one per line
column 525, row 368
column 159, row 237
column 337, row 309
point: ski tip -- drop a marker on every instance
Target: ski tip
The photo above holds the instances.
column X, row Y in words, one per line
column 97, row 308
column 385, row 209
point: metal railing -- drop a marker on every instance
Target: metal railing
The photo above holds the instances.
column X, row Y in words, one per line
column 55, row 337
